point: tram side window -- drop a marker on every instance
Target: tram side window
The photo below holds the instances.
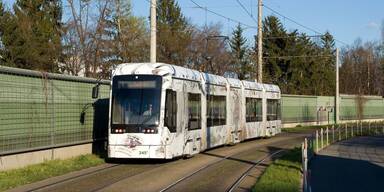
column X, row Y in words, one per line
column 194, row 111
column 273, row 109
column 216, row 110
column 253, row 109
column 170, row 110
column 259, row 110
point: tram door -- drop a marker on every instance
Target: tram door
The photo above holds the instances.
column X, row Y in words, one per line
column 235, row 102
column 192, row 119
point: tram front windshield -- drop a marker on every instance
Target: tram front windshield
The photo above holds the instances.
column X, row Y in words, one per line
column 136, row 101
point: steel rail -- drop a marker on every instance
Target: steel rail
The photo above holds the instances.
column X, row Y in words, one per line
column 74, row 177
column 246, row 173
column 214, row 163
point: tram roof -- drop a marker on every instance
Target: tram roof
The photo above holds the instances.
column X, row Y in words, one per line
column 271, row 88
column 158, row 69
column 214, row 79
column 252, row 85
column 179, row 72
column 234, row 82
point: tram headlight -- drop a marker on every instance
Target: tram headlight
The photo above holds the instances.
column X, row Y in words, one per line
column 118, row 130
column 149, row 130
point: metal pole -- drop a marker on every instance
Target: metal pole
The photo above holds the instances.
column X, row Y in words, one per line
column 317, row 141
column 153, row 32
column 339, row 132
column 333, row 133
column 361, row 128
column 259, row 43
column 327, row 136
column 305, row 161
column 337, row 99
column 321, row 137
column 346, row 131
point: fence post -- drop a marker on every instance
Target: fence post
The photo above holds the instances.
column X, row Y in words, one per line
column 346, row 131
column 382, row 125
column 338, row 129
column 352, row 130
column 369, row 127
column 304, row 149
column 361, row 128
column 327, row 137
column 321, row 137
column 317, row 141
column 372, row 129
column 333, row 133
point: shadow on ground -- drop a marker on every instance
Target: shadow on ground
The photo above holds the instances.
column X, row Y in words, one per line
column 330, row 173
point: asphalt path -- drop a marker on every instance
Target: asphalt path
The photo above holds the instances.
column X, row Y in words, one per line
column 353, row 165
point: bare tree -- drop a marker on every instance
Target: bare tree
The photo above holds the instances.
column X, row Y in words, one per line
column 361, row 72
column 88, row 37
column 208, row 50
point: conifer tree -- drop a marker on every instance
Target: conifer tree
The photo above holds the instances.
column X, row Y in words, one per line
column 328, row 64
column 173, row 32
column 240, row 61
column 132, row 36
column 295, row 62
column 2, row 26
column 274, row 45
column 31, row 35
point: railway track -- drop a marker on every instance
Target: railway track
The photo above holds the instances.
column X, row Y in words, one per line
column 77, row 176
column 197, row 171
column 232, row 164
column 254, row 164
column 235, row 185
column 52, row 186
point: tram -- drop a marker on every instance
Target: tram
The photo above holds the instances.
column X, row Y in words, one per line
column 163, row 111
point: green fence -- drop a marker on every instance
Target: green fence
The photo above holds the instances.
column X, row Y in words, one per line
column 321, row 109
column 371, row 107
column 40, row 110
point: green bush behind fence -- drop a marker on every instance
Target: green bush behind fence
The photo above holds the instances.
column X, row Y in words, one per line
column 40, row 110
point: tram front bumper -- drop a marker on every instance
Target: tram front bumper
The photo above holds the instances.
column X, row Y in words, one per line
column 139, row 151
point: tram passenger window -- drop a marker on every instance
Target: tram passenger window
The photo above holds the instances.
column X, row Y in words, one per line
column 216, row 110
column 194, row 111
column 259, row 110
column 253, row 107
column 278, row 110
column 272, row 109
column 250, row 112
column 170, row 110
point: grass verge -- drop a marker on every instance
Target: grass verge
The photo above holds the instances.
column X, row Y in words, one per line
column 283, row 175
column 300, row 128
column 33, row 173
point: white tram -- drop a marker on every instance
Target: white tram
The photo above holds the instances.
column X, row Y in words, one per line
column 165, row 111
